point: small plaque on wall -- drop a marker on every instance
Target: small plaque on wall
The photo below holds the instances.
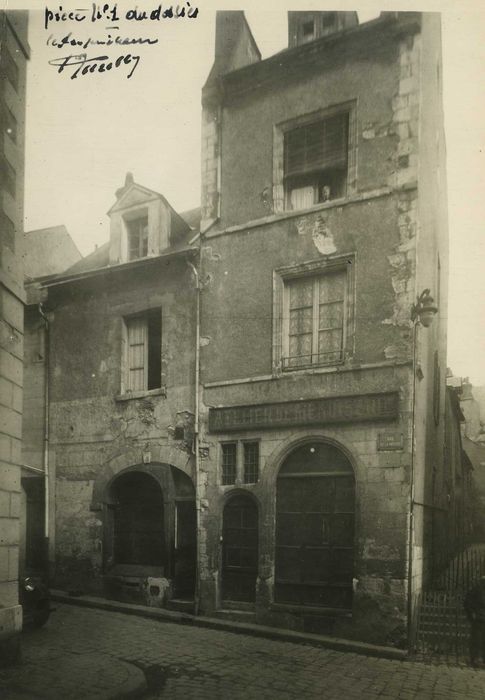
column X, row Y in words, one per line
column 390, row 441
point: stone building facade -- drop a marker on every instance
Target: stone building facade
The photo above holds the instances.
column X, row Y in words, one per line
column 120, row 328
column 14, row 53
column 323, row 218
column 245, row 417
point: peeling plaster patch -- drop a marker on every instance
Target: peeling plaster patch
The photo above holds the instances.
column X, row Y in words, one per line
column 204, row 340
column 322, row 237
column 103, row 367
column 319, row 230
column 392, row 352
column 146, row 411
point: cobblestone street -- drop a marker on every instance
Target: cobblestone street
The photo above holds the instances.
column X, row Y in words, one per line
column 181, row 661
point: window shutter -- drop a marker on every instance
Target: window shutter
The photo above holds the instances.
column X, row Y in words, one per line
column 137, row 354
column 317, row 146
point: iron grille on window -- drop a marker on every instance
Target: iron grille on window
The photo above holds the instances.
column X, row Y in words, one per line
column 251, row 462
column 315, row 310
column 316, row 161
column 229, row 463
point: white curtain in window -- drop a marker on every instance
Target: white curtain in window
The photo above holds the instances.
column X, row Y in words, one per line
column 302, row 197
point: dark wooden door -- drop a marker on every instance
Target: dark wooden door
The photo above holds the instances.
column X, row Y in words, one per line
column 185, row 548
column 138, row 521
column 315, row 531
column 240, row 549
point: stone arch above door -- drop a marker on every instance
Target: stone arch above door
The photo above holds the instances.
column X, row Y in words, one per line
column 134, row 458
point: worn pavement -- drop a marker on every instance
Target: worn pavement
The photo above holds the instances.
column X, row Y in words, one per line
column 86, row 653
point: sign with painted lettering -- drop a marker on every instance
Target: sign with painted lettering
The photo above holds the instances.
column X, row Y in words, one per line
column 390, row 441
column 336, row 409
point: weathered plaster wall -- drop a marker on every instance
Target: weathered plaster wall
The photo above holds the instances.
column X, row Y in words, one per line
column 333, row 76
column 383, row 222
column 93, row 429
column 237, row 299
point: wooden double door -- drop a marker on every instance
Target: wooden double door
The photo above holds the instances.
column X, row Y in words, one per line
column 315, row 529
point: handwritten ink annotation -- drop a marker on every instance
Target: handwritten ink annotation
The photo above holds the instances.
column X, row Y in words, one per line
column 109, row 13
column 100, row 64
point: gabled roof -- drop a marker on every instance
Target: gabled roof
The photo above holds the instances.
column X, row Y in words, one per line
column 49, row 251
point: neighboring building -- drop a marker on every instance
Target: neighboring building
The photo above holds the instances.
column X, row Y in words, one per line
column 323, row 217
column 473, row 439
column 48, row 251
column 121, row 336
column 14, row 53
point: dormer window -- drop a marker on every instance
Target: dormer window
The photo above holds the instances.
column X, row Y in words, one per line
column 308, row 30
column 329, row 20
column 137, row 238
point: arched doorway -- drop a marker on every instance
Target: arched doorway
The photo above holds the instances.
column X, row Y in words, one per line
column 315, row 528
column 150, row 528
column 240, row 549
column 138, row 532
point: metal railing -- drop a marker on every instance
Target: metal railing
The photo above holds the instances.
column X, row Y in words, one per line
column 439, row 629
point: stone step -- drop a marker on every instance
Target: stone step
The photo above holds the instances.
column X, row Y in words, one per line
column 235, row 615
column 180, row 605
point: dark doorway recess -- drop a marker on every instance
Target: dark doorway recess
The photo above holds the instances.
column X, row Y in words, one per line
column 240, row 549
column 138, row 520
column 315, row 528
column 35, row 543
column 150, row 527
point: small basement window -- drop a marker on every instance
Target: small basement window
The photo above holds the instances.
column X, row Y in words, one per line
column 143, row 351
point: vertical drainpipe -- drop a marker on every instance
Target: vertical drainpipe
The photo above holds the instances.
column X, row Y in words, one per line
column 196, row 436
column 411, row 500
column 46, row 438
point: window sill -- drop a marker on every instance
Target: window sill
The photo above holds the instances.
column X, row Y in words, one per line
column 162, row 391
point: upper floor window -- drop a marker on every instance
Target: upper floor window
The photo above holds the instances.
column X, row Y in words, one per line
column 316, row 161
column 313, row 314
column 143, row 351
column 308, row 30
column 137, row 238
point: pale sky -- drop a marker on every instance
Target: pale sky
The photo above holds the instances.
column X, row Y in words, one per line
column 83, row 135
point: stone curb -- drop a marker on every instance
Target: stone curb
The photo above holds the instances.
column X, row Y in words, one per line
column 335, row 643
